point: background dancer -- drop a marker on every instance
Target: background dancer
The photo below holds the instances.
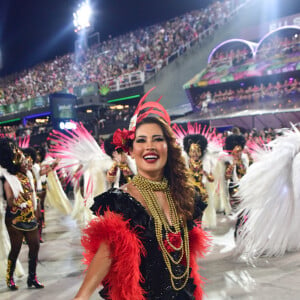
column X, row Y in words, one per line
column 202, row 148
column 236, row 164
column 201, row 165
column 123, row 167
column 20, row 219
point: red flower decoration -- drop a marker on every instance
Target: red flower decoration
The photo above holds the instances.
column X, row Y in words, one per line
column 121, row 139
column 174, row 239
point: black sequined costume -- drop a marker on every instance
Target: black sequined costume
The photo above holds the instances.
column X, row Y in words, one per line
column 156, row 284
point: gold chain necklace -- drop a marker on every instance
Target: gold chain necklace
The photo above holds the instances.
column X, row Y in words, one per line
column 147, row 188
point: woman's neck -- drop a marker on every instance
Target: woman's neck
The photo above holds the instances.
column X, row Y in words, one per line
column 152, row 177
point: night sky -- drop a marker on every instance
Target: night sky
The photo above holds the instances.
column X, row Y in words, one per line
column 32, row 31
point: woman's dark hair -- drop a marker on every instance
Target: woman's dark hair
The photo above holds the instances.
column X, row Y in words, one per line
column 41, row 151
column 198, row 139
column 30, row 152
column 109, row 148
column 234, row 140
column 7, row 156
column 175, row 170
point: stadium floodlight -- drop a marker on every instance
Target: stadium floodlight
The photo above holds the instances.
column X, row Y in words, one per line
column 81, row 18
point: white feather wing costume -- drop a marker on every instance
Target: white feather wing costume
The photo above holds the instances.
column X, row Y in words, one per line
column 221, row 195
column 270, row 200
column 80, row 155
column 55, row 194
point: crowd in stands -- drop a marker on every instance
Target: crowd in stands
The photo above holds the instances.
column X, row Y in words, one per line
column 231, row 57
column 276, row 46
column 104, row 123
column 279, row 95
column 110, row 119
column 20, row 130
column 279, row 46
column 277, row 54
column 257, row 136
column 146, row 49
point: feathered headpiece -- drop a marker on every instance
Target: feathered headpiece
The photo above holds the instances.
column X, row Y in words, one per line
column 234, row 140
column 24, row 142
column 215, row 141
column 121, row 138
column 10, row 156
column 197, row 139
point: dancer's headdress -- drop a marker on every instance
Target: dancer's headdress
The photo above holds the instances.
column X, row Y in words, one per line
column 195, row 141
column 10, row 160
column 24, row 142
column 122, row 138
column 10, row 155
column 233, row 141
column 30, row 152
column 186, row 136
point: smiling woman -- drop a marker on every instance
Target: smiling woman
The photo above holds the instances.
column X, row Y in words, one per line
column 150, row 151
column 145, row 244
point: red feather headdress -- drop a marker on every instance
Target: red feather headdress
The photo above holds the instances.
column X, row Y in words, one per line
column 121, row 137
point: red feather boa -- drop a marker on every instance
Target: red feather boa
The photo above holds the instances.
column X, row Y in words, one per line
column 126, row 249
column 199, row 243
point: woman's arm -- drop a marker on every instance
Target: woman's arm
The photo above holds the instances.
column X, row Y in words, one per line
column 45, row 169
column 97, row 270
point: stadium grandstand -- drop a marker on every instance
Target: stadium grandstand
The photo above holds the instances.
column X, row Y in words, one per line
column 111, row 76
column 249, row 84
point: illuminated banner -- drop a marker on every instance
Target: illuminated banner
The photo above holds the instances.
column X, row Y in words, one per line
column 40, row 101
column 86, row 90
column 23, row 106
column 2, row 110
column 11, row 108
column 62, row 107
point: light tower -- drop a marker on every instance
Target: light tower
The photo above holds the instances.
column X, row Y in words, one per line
column 82, row 20
column 82, row 17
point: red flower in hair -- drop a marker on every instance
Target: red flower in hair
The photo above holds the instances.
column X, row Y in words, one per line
column 121, row 139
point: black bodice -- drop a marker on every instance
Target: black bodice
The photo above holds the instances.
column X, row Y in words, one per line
column 157, row 282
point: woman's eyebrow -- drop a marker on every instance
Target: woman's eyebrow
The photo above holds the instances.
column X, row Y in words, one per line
column 153, row 136
column 157, row 135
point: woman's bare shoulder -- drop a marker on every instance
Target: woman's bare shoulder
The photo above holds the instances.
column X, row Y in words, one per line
column 131, row 189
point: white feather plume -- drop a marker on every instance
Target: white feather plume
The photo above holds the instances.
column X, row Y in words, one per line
column 80, row 155
column 269, row 194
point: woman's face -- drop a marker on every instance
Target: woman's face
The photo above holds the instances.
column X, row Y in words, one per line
column 29, row 163
column 23, row 164
column 150, row 151
column 38, row 158
column 195, row 152
column 237, row 152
